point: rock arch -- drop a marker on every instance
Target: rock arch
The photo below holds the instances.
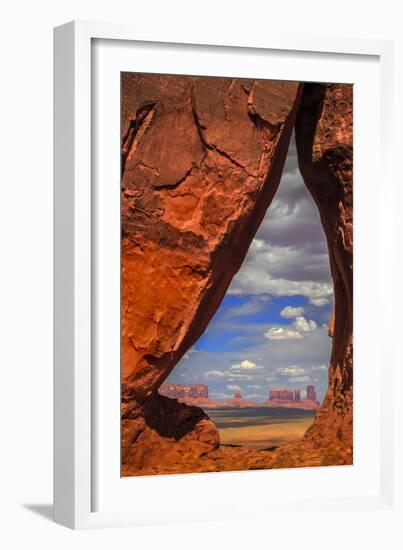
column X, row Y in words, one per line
column 203, row 159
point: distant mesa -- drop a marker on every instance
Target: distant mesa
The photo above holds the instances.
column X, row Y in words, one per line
column 284, row 397
column 238, row 401
column 198, row 395
column 194, row 394
column 310, row 393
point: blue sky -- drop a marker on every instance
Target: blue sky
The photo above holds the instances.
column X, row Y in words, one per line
column 271, row 328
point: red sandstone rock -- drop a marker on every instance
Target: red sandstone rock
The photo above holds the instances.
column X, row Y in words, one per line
column 324, row 136
column 195, row 394
column 201, row 162
column 281, row 394
column 304, row 404
column 331, row 325
column 288, row 399
column 178, row 391
column 163, row 435
column 238, row 401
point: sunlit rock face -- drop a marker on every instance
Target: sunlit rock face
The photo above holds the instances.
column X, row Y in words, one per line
column 202, row 160
column 201, row 163
column 324, row 137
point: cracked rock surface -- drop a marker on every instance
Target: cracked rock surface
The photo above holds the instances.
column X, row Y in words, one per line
column 324, row 137
column 201, row 163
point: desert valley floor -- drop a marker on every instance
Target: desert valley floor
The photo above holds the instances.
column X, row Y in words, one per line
column 260, row 427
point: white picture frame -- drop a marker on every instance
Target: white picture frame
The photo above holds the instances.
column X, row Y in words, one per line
column 77, row 471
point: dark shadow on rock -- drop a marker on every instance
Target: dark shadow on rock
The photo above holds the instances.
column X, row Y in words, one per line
column 44, row 510
column 170, row 418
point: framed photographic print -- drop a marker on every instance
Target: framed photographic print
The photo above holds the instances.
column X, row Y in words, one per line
column 210, row 264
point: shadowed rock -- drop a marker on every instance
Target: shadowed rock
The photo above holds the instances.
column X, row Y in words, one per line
column 201, row 163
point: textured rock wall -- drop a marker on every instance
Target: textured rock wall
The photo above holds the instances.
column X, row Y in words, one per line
column 201, row 162
column 324, row 137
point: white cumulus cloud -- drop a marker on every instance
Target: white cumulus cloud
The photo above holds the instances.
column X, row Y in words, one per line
column 227, row 375
column 213, row 374
column 320, row 367
column 290, row 371
column 280, row 333
column 289, row 312
column 245, row 365
column 302, row 325
column 319, row 302
column 255, row 279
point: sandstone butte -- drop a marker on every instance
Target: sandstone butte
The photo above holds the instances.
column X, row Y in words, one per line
column 195, row 394
column 305, row 404
column 238, row 401
column 198, row 394
column 201, row 162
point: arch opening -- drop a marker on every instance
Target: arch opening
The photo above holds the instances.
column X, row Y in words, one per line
column 260, row 370
column 187, row 227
